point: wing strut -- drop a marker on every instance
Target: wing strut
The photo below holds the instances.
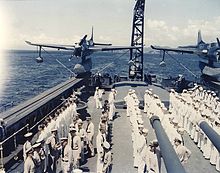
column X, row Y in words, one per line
column 39, row 59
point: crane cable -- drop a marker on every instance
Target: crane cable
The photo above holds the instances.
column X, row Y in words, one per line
column 183, row 66
column 59, row 62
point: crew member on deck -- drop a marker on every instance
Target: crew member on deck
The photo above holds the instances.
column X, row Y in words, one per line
column 53, row 145
column 89, row 135
column 27, row 144
column 65, row 155
column 29, row 163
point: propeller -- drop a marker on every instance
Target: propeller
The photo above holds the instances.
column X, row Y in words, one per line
column 82, row 40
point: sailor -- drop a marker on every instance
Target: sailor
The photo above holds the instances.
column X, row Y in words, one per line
column 82, row 134
column 152, row 161
column 27, row 144
column 106, row 106
column 53, row 146
column 75, row 146
column 100, row 139
column 127, row 100
column 111, row 100
column 65, row 155
column 107, row 157
column 89, row 135
column 42, row 154
column 182, row 152
column 142, row 142
column 214, row 151
column 29, row 163
column 37, row 159
column 98, row 97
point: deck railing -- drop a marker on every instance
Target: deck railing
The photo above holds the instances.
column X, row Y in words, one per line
column 15, row 144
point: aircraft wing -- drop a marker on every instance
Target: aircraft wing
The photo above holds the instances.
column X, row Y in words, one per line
column 54, row 46
column 181, row 50
column 109, row 48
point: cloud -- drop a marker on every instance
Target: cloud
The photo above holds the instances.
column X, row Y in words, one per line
column 159, row 32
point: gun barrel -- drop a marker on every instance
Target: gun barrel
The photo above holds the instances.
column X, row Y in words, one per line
column 171, row 160
column 211, row 134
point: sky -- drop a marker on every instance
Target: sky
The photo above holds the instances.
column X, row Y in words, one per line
column 167, row 22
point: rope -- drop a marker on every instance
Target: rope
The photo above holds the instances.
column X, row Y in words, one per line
column 59, row 61
column 183, row 66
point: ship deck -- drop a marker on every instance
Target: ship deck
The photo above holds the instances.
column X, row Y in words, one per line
column 122, row 145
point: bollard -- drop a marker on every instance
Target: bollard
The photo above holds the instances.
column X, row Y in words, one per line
column 211, row 134
column 171, row 160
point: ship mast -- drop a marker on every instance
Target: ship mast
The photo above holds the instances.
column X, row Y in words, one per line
column 137, row 39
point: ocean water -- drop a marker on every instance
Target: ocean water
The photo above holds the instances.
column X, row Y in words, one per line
column 26, row 78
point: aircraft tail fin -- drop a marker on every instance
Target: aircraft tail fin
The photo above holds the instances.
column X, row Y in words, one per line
column 98, row 44
column 218, row 42
column 92, row 35
column 199, row 40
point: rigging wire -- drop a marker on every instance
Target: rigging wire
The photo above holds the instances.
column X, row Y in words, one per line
column 59, row 62
column 111, row 63
column 183, row 66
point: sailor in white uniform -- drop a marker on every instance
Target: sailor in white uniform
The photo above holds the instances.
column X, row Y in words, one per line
column 98, row 97
column 89, row 135
column 100, row 139
column 153, row 158
column 65, row 155
column 27, row 144
column 111, row 100
column 29, row 163
column 75, row 147
column 182, row 152
column 36, row 157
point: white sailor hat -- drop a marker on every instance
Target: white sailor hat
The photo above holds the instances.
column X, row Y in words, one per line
column 88, row 117
column 177, row 139
column 1, row 120
column 150, row 89
column 29, row 134
column 164, row 108
column 29, row 150
column 79, row 121
column 181, row 130
column 215, row 111
column 208, row 91
column 140, row 125
column 140, row 121
column 196, row 106
column 146, row 91
column 77, row 171
column 172, row 90
column 145, row 131
column 200, row 88
column 175, row 121
column 54, row 130
column 106, row 145
column 150, row 92
column 71, row 125
column 64, row 138
column 184, row 91
column 96, row 87
column 36, row 145
column 155, row 96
